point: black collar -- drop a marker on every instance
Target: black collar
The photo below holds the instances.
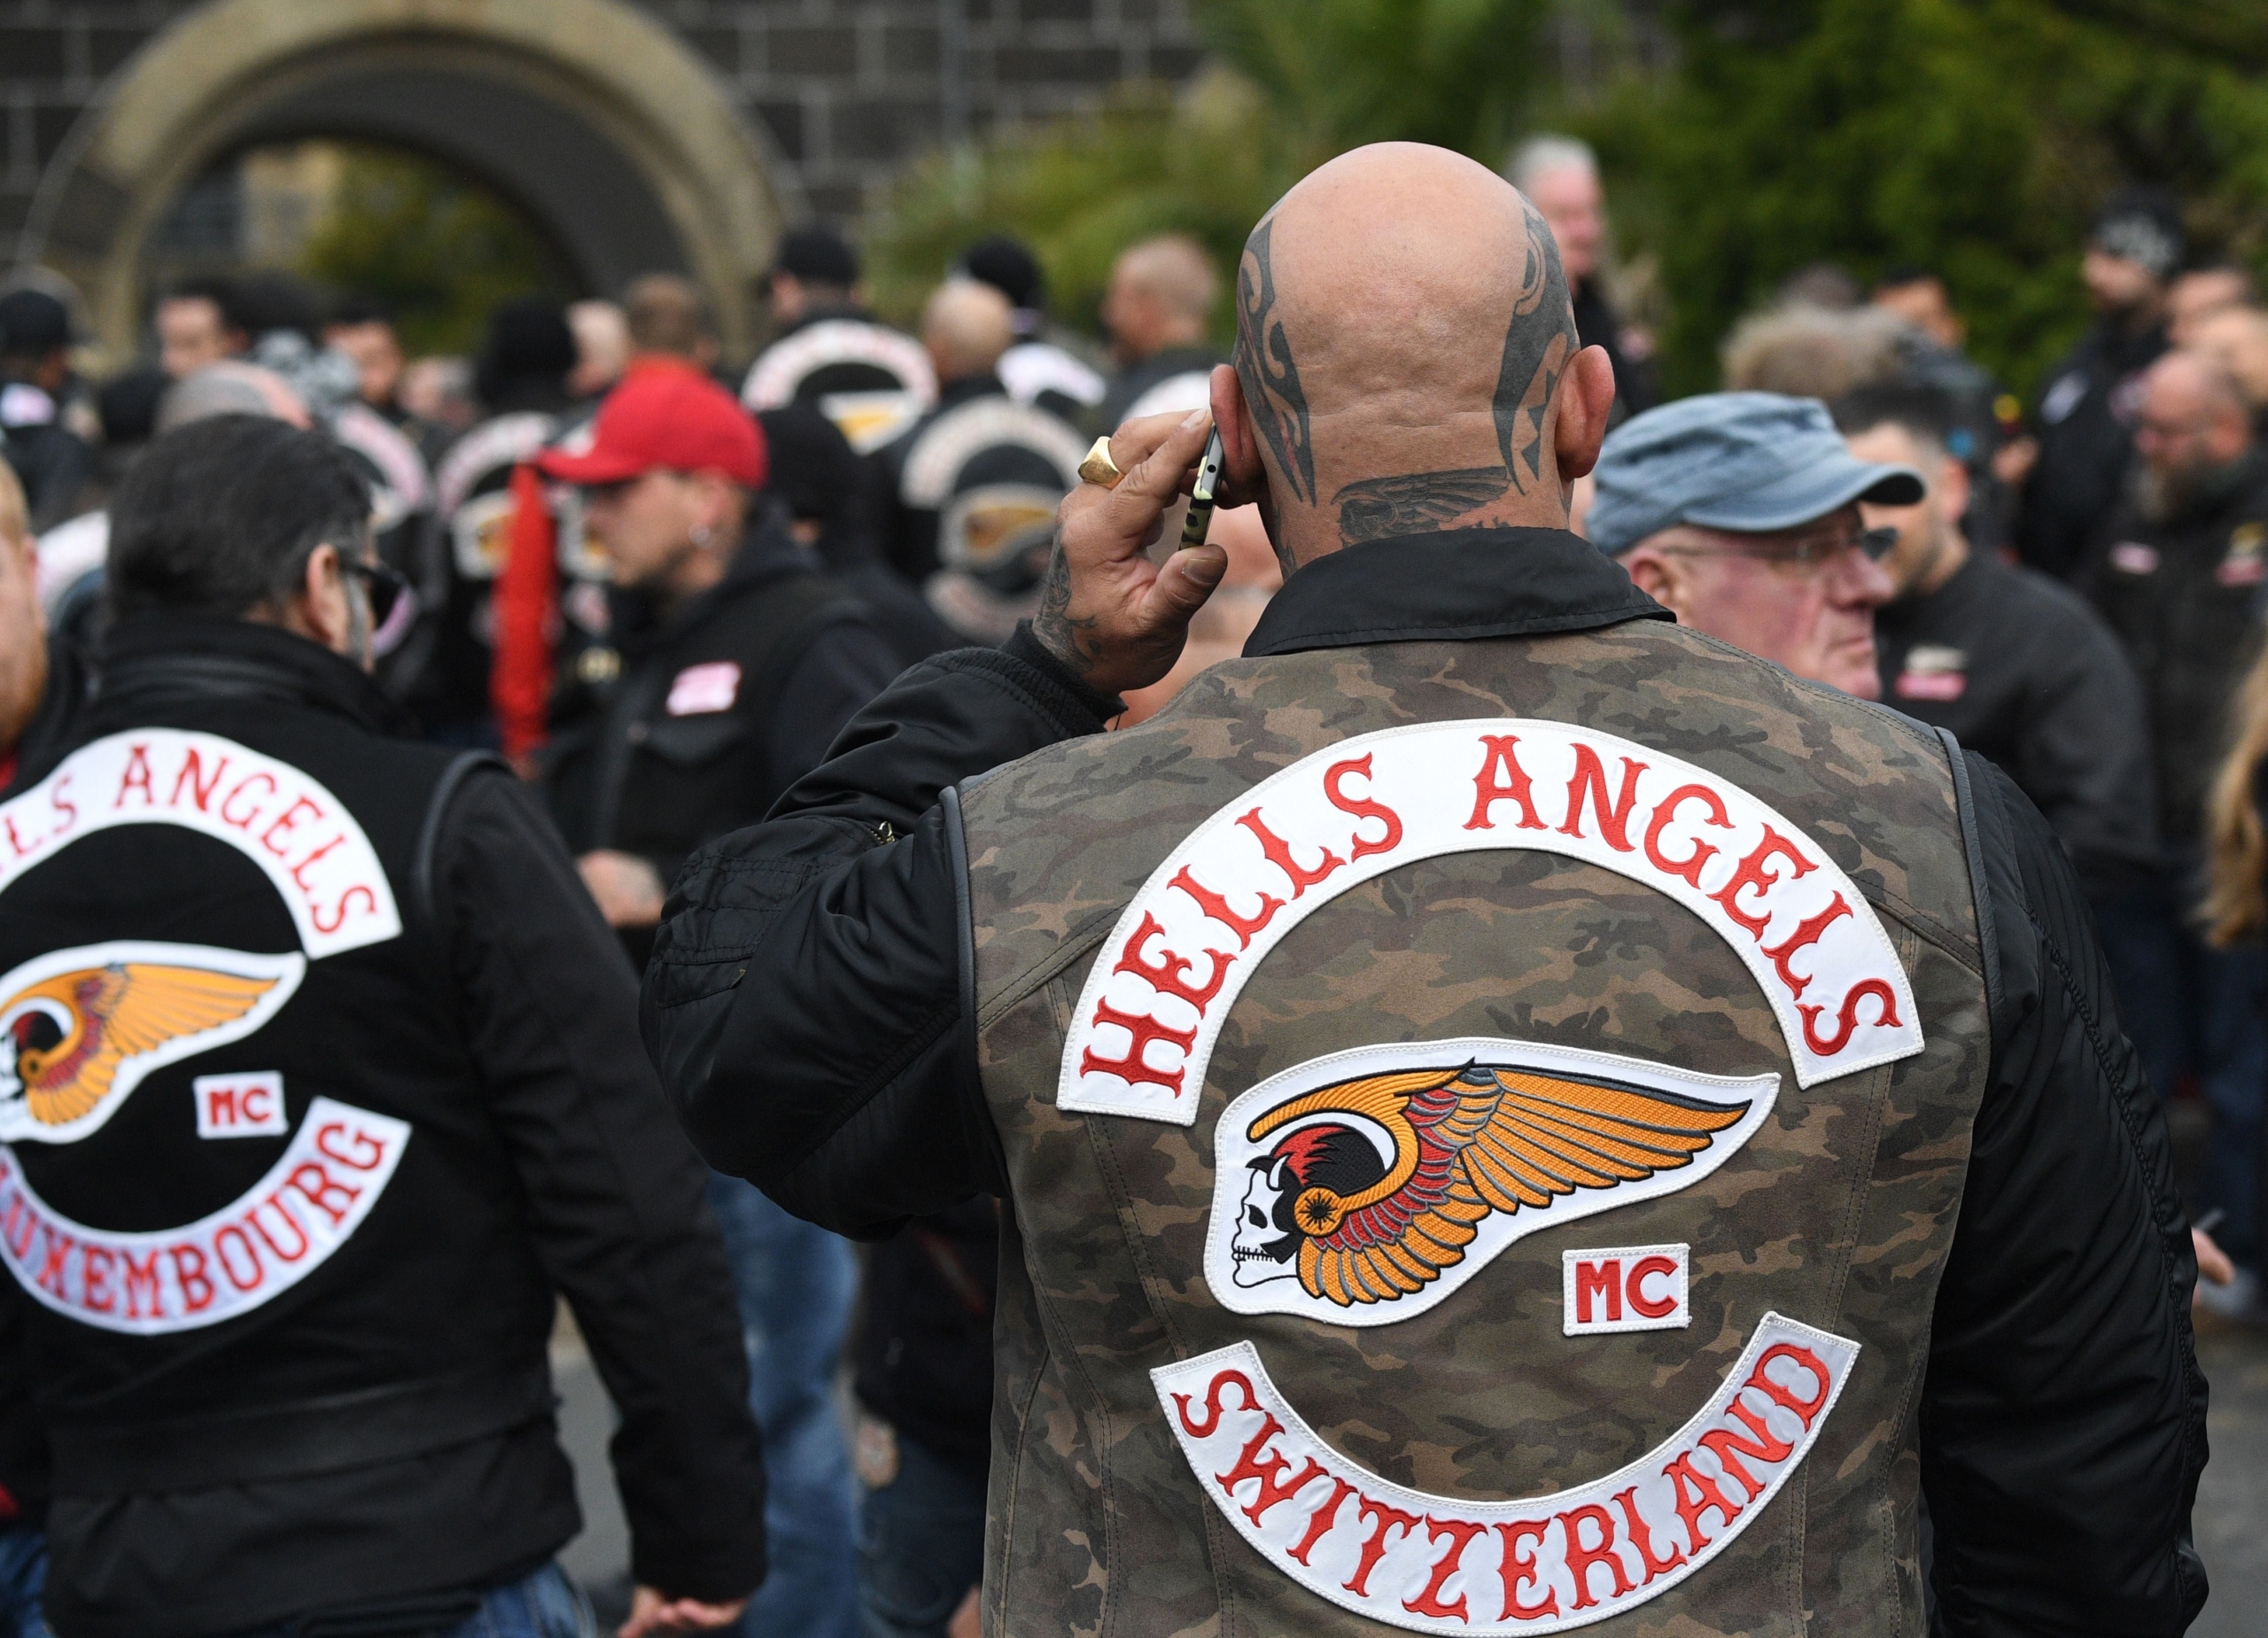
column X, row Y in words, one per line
column 155, row 663
column 1459, row 584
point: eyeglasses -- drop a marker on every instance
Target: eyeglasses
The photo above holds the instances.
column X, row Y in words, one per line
column 385, row 584
column 1811, row 552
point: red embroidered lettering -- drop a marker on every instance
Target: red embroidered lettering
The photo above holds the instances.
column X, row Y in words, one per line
column 325, row 1186
column 1592, row 1279
column 300, row 870
column 1642, row 1271
column 197, row 1292
column 1696, row 1493
column 1374, row 1548
column 1518, row 1567
column 1806, row 936
column 1627, row 1501
column 1131, row 1068
column 1751, row 874
column 1429, row 1601
column 238, row 789
column 1269, row 1470
column 1588, row 781
column 1581, row 1559
column 193, row 767
column 1320, row 1521
column 21, row 1224
column 249, row 1280
column 1730, row 1445
column 69, row 810
column 142, row 1287
column 1804, row 1407
column 94, row 1278
column 138, row 763
column 1279, row 854
column 1218, row 907
column 51, row 1263
column 15, row 842
column 1487, row 790
column 339, row 912
column 1847, row 1020
column 1226, row 1378
column 1666, row 814
column 371, row 1148
column 286, row 822
column 274, row 1203
column 1166, row 975
column 1391, row 837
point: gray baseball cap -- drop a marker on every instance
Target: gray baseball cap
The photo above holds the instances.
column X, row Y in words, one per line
column 1752, row 462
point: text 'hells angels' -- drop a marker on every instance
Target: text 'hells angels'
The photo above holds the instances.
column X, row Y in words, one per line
column 1155, row 1002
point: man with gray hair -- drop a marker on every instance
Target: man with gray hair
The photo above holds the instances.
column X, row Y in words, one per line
column 1560, row 176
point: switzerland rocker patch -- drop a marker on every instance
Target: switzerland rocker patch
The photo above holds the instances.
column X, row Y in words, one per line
column 1153, row 1003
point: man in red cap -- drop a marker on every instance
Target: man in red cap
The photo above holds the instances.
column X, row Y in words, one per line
column 731, row 664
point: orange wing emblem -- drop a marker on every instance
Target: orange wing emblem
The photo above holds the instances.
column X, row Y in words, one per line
column 63, row 1040
column 1359, row 1226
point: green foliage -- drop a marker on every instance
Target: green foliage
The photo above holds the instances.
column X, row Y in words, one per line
column 1298, row 84
column 440, row 251
column 1974, row 137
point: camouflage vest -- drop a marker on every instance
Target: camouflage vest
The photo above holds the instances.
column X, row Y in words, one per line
column 1487, row 1121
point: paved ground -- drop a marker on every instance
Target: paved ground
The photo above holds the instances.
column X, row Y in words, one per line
column 2231, row 1517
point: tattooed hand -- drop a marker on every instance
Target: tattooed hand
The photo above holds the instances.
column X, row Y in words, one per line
column 1106, row 610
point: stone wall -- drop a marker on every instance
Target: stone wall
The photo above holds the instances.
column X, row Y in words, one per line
column 840, row 91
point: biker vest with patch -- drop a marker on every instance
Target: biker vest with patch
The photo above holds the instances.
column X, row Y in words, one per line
column 251, row 1189
column 1486, row 1122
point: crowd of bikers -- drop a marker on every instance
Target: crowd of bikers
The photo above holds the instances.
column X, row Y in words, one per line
column 627, row 592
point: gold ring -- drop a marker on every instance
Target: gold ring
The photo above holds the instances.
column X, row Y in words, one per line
column 1099, row 467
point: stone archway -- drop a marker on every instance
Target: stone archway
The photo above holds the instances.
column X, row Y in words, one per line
column 596, row 120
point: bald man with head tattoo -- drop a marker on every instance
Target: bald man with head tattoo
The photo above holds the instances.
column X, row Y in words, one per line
column 1511, row 1113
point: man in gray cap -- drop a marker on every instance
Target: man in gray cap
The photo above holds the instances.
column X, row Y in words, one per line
column 1739, row 513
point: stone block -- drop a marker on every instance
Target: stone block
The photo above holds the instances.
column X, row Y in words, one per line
column 109, row 49
column 1040, row 65
column 720, row 46
column 785, row 121
column 909, row 49
column 32, row 53
column 881, row 128
column 819, row 49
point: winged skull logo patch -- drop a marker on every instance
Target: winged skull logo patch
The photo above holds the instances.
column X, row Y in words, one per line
column 79, row 1029
column 1365, row 1187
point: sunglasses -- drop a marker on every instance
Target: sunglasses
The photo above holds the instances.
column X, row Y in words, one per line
column 384, row 585
column 1812, row 552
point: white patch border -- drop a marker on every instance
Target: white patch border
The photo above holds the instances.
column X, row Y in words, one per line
column 325, row 1237
column 1299, row 1440
column 100, row 768
column 288, row 969
column 1498, row 1231
column 1679, row 1316
column 1886, row 1044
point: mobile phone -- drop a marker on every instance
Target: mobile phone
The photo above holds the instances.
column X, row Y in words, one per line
column 1200, row 494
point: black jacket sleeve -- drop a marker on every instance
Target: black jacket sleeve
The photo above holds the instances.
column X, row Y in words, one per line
column 614, row 1193
column 807, row 1000
column 2084, row 755
column 2063, row 1417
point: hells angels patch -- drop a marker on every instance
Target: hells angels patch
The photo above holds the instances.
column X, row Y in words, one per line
column 1368, row 1187
column 1155, row 1002
column 1440, row 1564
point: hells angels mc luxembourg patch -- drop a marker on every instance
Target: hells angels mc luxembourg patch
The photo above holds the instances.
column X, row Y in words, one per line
column 81, row 1030
column 1366, row 1187
column 1171, row 969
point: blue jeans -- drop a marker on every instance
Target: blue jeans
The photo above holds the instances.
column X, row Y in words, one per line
column 2191, row 1008
column 921, row 1544
column 544, row 1605
column 23, row 1579
column 797, row 1283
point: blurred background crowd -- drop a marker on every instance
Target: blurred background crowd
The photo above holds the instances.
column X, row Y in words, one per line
column 2015, row 244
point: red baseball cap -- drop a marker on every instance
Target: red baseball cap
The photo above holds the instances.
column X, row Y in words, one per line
column 668, row 416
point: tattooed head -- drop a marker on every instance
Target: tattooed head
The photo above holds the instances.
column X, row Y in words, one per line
column 1403, row 327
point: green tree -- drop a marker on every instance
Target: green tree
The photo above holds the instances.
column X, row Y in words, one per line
column 1974, row 137
column 439, row 250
